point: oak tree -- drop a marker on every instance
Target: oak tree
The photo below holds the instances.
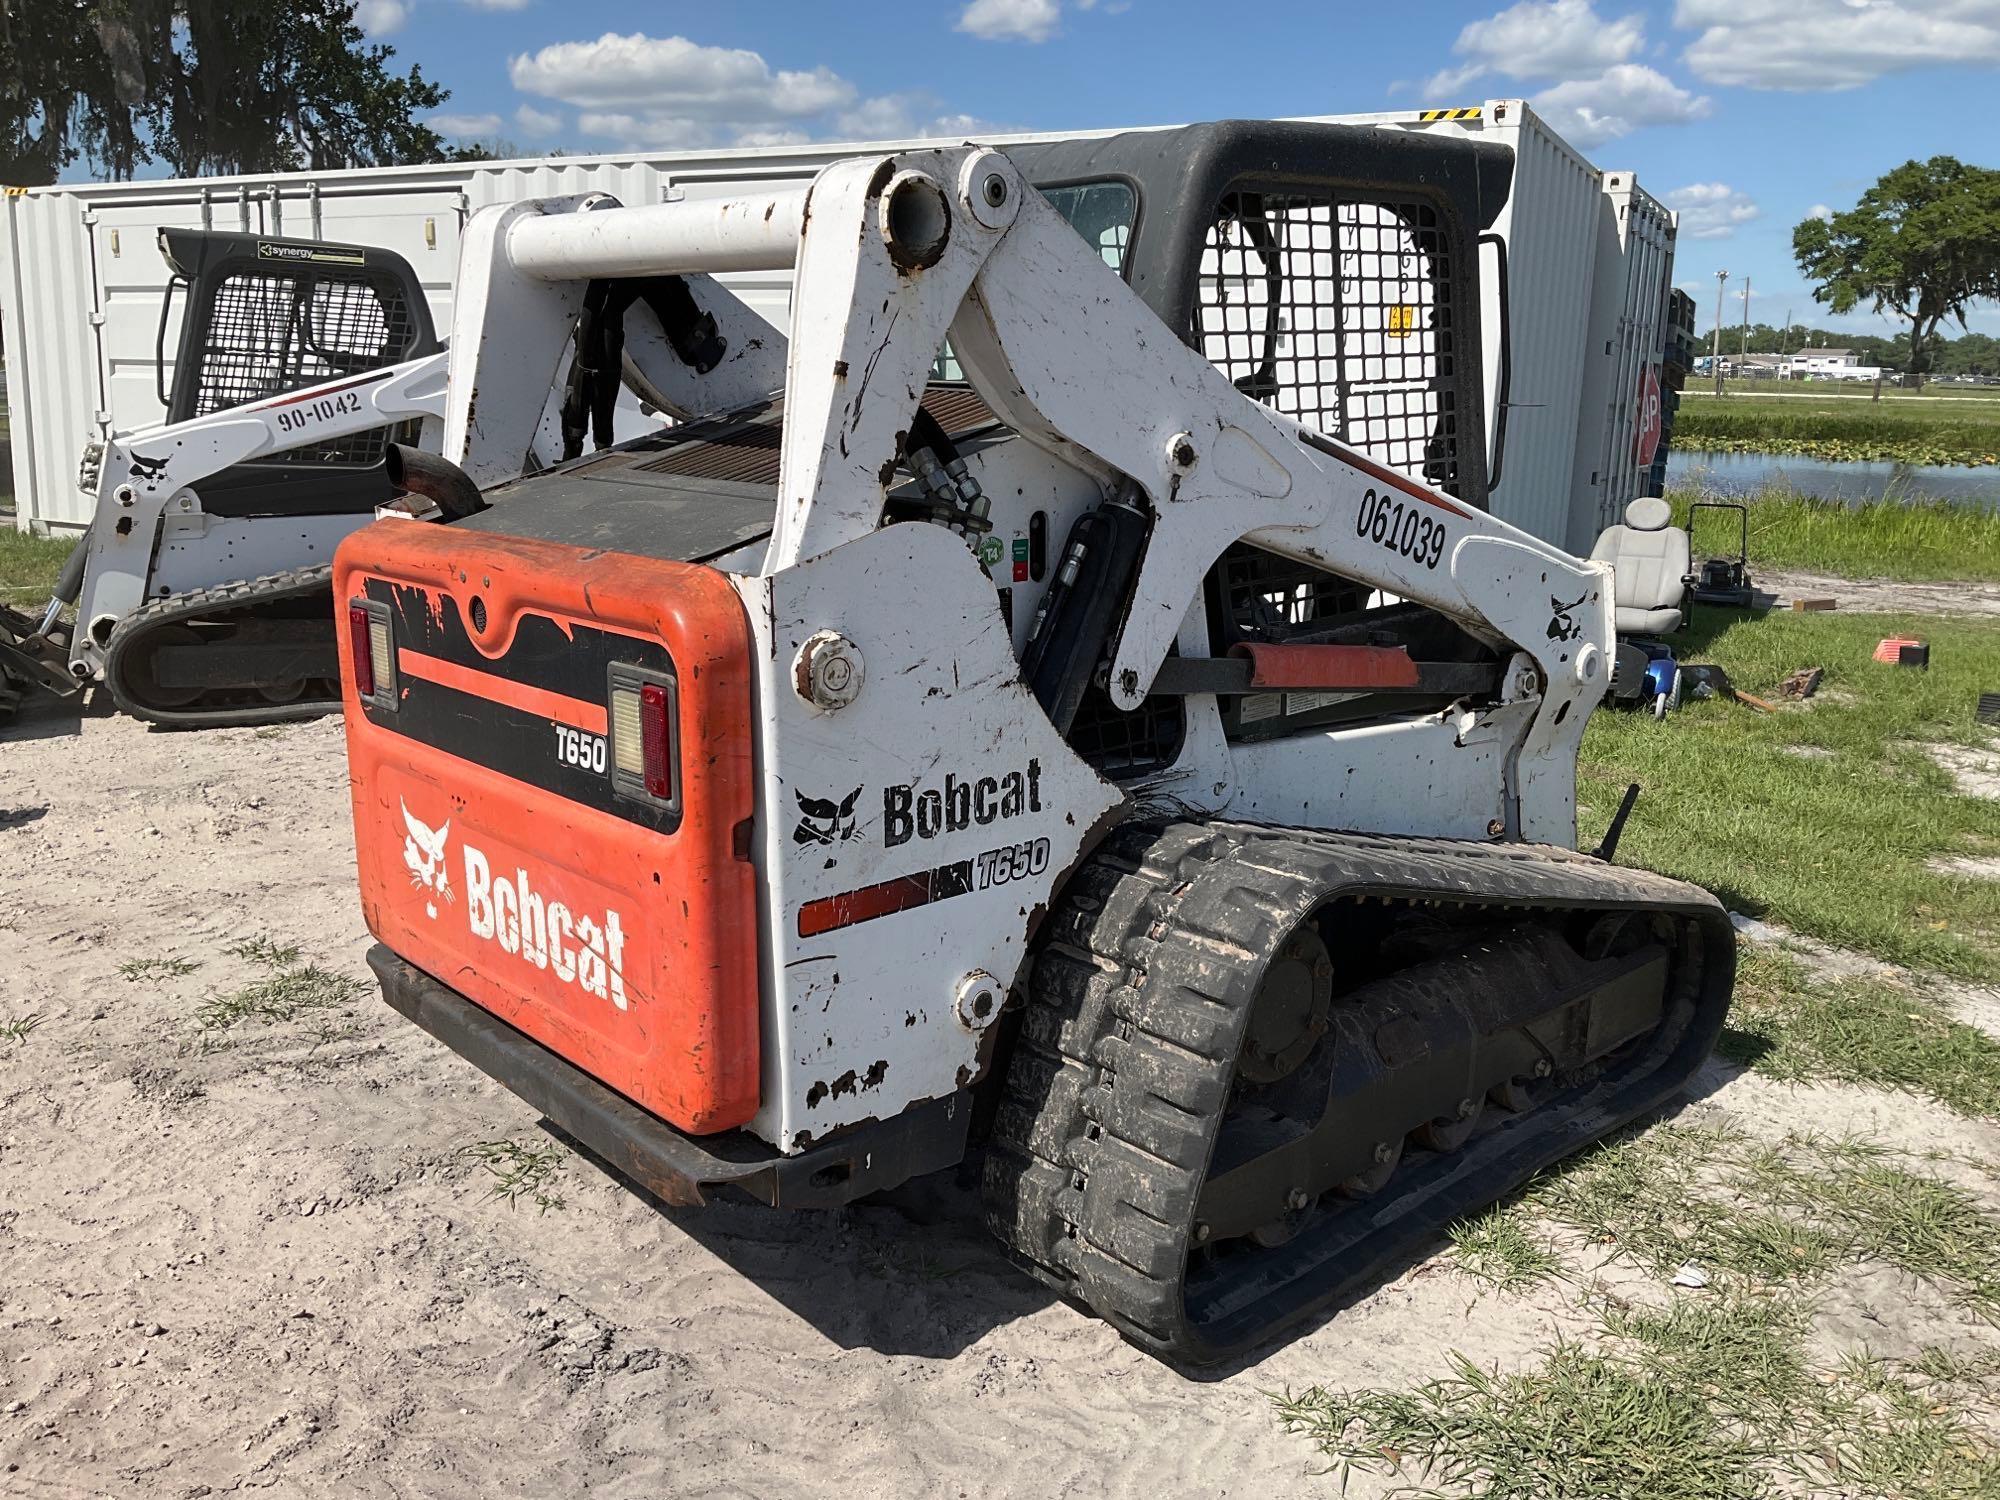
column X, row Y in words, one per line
column 1923, row 243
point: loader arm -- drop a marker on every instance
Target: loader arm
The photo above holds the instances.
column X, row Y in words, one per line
column 148, row 484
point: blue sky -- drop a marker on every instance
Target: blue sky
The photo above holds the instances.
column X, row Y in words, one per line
column 1747, row 115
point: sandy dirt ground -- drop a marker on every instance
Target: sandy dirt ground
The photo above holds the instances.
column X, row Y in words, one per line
column 267, row 1266
column 1878, row 595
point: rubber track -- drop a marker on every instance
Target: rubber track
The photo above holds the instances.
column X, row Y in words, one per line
column 196, row 604
column 1136, row 1010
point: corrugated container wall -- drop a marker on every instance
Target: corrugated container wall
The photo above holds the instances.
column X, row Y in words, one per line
column 81, row 283
column 1621, row 365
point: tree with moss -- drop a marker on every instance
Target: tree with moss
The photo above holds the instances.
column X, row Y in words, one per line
column 1923, row 243
column 202, row 86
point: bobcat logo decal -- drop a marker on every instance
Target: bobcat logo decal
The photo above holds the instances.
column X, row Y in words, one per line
column 149, row 469
column 1561, row 626
column 823, row 821
column 423, row 852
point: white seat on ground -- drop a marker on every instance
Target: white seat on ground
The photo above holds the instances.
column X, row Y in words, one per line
column 1649, row 560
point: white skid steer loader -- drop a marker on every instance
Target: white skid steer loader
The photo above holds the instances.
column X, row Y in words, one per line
column 306, row 379
column 1074, row 703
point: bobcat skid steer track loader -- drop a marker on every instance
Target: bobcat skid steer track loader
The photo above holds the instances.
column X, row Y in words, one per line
column 202, row 587
column 1138, row 753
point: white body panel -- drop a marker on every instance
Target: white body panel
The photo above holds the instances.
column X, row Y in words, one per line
column 72, row 379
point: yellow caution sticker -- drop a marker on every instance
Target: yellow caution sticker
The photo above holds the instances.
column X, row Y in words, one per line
column 1428, row 116
column 1402, row 319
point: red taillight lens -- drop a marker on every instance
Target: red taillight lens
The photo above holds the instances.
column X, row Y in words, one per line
column 653, row 730
column 364, row 650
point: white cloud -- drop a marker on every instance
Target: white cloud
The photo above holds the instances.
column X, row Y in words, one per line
column 1711, row 210
column 538, row 121
column 674, row 78
column 650, row 132
column 1587, row 112
column 1537, row 39
column 1806, row 45
column 773, row 138
column 644, row 94
column 1819, row 211
column 499, row 4
column 1011, row 20
column 912, row 116
column 464, row 125
column 381, row 17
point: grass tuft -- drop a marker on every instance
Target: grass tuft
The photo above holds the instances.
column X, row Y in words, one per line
column 1502, row 1250
column 1579, row 1423
column 284, row 996
column 261, row 950
column 520, row 1170
column 17, row 1030
column 148, row 970
column 1789, row 1025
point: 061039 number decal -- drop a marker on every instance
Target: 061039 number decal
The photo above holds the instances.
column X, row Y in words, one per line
column 1400, row 527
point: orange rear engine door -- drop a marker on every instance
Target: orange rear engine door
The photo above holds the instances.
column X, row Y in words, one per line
column 500, row 848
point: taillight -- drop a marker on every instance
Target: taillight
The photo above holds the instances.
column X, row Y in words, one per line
column 374, row 652
column 363, row 641
column 653, row 740
column 643, row 708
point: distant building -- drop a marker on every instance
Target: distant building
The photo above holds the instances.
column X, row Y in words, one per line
column 1825, row 362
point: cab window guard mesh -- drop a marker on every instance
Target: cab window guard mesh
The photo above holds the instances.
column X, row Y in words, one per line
column 1338, row 312
column 272, row 333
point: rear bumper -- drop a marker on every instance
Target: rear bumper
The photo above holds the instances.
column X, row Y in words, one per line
column 673, row 1166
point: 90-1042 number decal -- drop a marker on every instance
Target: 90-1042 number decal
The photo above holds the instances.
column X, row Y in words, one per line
column 1400, row 527
column 316, row 413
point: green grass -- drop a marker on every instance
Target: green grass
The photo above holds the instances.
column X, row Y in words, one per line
column 1838, row 846
column 14, row 1032
column 1580, row 1423
column 1728, row 1390
column 1916, row 539
column 1839, row 427
column 521, row 1170
column 261, row 950
column 291, row 991
column 149, row 970
column 1502, row 1250
column 1843, row 390
column 1790, row 1025
column 284, row 996
column 29, row 564
column 1705, row 1399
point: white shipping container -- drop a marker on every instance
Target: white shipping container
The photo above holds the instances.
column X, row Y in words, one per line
column 81, row 283
column 1622, row 354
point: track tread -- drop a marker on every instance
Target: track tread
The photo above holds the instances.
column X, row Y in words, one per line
column 221, row 598
column 1135, row 1017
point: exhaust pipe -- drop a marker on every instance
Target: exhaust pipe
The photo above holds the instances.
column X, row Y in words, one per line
column 434, row 478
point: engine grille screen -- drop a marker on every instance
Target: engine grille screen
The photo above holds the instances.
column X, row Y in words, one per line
column 1339, row 313
column 269, row 333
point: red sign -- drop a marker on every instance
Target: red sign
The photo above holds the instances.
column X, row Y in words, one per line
column 1649, row 413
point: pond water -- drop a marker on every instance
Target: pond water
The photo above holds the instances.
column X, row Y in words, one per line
column 1738, row 473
